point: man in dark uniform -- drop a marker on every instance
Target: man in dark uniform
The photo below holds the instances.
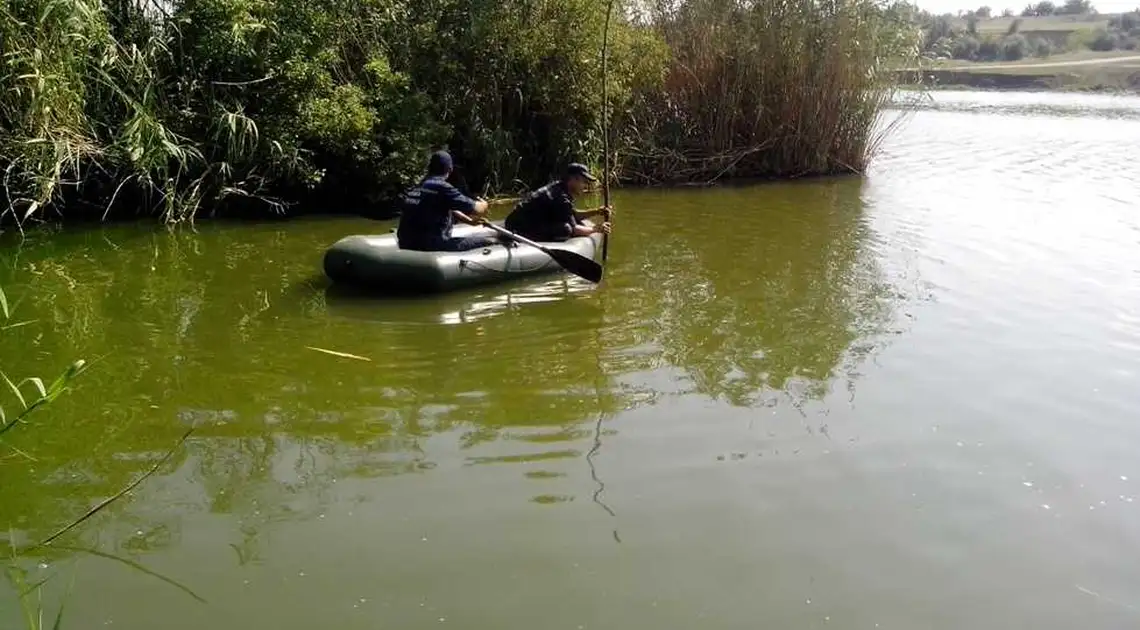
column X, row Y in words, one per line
column 548, row 213
column 431, row 209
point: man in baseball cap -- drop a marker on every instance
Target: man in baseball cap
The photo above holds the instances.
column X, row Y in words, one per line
column 548, row 214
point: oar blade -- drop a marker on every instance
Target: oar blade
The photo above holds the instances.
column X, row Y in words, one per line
column 577, row 264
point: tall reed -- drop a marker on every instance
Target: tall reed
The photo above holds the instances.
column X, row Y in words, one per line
column 764, row 88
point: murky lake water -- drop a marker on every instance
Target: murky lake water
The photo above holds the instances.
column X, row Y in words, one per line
column 908, row 401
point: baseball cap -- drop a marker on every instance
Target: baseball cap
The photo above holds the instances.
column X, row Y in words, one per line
column 580, row 170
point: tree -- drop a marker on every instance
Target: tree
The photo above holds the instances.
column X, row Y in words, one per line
column 1075, row 7
column 984, row 12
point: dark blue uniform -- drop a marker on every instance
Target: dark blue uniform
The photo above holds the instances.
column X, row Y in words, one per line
column 547, row 214
column 426, row 219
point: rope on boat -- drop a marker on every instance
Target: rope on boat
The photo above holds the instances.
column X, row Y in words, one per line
column 465, row 263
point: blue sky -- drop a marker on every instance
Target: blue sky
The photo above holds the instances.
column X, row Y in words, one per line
column 953, row 6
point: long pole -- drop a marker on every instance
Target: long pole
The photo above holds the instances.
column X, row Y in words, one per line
column 606, row 125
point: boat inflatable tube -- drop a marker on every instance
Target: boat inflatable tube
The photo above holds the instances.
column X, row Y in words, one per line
column 376, row 262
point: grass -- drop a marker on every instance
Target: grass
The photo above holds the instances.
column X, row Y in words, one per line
column 1084, row 56
column 1048, row 23
column 1115, row 76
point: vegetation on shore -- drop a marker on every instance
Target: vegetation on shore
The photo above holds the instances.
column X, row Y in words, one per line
column 1100, row 73
column 192, row 107
column 1042, row 29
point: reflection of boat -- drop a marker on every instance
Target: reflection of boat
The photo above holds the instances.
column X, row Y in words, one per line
column 454, row 308
column 377, row 262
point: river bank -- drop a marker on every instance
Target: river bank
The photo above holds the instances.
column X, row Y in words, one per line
column 1088, row 72
column 244, row 108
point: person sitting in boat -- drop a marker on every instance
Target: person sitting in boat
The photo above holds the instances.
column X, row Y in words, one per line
column 431, row 209
column 548, row 214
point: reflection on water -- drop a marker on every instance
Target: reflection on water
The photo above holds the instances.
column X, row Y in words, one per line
column 461, row 307
column 216, row 331
column 931, row 372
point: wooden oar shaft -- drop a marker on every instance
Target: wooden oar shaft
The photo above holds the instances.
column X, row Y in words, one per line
column 606, row 126
column 521, row 239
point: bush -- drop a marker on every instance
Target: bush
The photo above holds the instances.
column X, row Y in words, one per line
column 244, row 104
column 252, row 106
column 1014, row 47
column 1103, row 41
column 1041, row 47
column 989, row 49
column 966, row 48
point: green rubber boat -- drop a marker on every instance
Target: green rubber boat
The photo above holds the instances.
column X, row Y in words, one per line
column 377, row 263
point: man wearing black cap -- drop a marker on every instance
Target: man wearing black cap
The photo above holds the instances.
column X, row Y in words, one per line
column 548, row 213
column 431, row 209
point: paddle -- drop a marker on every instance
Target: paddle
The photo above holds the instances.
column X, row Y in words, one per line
column 576, row 264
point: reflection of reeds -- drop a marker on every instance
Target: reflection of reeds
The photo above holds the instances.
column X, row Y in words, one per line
column 30, row 595
column 775, row 304
column 118, row 495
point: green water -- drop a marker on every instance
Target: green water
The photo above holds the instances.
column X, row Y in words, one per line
column 908, row 400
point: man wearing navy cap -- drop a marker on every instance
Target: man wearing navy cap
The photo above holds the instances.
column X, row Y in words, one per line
column 548, row 213
column 431, row 209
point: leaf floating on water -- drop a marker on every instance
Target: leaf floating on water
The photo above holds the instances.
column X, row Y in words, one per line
column 340, row 354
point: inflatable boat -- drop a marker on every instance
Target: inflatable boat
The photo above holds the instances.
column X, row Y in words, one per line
column 376, row 262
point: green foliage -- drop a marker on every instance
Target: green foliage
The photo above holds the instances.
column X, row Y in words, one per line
column 31, row 599
column 1123, row 33
column 27, row 395
column 766, row 89
column 246, row 103
column 1103, row 41
column 1042, row 8
column 30, row 393
column 1075, row 7
column 945, row 36
column 239, row 106
column 1014, row 47
column 1127, row 23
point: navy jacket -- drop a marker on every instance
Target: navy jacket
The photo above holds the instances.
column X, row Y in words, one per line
column 548, row 206
column 425, row 216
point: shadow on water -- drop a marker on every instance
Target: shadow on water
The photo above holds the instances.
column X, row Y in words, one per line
column 752, row 297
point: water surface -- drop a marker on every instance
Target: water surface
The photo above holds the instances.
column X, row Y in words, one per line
column 903, row 401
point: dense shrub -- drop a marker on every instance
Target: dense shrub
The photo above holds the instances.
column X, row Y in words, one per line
column 1014, row 47
column 256, row 105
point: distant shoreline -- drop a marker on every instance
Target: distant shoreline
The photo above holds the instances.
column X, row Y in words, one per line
column 1113, row 74
column 983, row 81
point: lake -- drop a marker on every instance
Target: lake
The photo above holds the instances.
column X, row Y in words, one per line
column 910, row 400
